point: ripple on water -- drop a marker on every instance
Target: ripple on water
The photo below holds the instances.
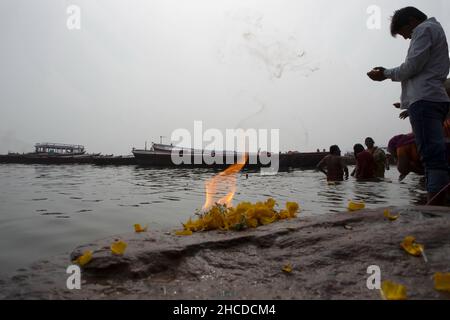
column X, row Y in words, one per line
column 84, row 210
column 51, row 213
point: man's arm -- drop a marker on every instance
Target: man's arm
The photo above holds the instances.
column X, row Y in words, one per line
column 344, row 166
column 404, row 114
column 357, row 169
column 417, row 58
column 322, row 165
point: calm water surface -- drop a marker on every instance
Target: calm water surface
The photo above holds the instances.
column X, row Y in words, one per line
column 46, row 210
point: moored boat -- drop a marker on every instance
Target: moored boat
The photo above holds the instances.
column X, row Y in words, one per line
column 114, row 160
column 51, row 153
column 161, row 155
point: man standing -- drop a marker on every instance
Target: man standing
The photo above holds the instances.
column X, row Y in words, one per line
column 423, row 93
column 378, row 156
column 335, row 166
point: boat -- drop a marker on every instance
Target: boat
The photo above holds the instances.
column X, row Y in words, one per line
column 51, row 153
column 160, row 155
column 58, row 149
column 106, row 160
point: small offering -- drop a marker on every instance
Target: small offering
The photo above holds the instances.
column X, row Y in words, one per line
column 244, row 215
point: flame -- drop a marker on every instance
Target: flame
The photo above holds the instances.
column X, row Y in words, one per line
column 226, row 178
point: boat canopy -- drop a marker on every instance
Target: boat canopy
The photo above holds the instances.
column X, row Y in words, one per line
column 58, row 148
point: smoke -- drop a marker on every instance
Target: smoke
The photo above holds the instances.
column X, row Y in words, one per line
column 252, row 44
column 278, row 52
column 278, row 56
column 245, row 123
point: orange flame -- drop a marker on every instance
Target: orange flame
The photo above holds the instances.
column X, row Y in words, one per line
column 226, row 178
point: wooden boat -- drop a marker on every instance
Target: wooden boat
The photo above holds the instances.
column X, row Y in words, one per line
column 161, row 156
column 51, row 153
column 114, row 160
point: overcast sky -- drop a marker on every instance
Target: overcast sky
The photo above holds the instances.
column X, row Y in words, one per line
column 138, row 69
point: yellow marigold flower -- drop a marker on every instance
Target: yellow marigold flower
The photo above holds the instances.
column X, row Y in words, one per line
column 197, row 225
column 409, row 245
column 287, row 268
column 183, row 233
column 270, row 203
column 243, row 207
column 84, row 259
column 244, row 215
column 250, row 213
column 393, row 291
column 226, row 226
column 284, row 214
column 252, row 223
column 261, row 212
column 442, row 281
column 267, row 220
column 138, row 228
column 388, row 215
column 118, row 247
column 292, row 208
column 356, row 206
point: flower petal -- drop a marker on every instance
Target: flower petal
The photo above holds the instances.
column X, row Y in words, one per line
column 118, row 247
column 356, row 206
column 388, row 215
column 410, row 246
column 84, row 259
column 287, row 268
column 183, row 233
column 442, row 281
column 393, row 291
column 138, row 228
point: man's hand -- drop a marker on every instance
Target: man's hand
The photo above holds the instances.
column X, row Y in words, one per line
column 404, row 115
column 377, row 74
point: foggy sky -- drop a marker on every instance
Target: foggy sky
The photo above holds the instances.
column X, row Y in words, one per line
column 139, row 69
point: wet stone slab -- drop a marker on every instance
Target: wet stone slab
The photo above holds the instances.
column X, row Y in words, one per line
column 329, row 255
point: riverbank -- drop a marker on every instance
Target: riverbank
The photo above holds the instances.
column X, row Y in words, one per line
column 157, row 159
column 329, row 255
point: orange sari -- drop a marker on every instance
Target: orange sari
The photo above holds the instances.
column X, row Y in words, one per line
column 410, row 151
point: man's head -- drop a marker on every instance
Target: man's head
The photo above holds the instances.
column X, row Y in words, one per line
column 405, row 20
column 369, row 143
column 358, row 148
column 334, row 150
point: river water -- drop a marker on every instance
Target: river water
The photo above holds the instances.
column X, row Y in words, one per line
column 50, row 209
